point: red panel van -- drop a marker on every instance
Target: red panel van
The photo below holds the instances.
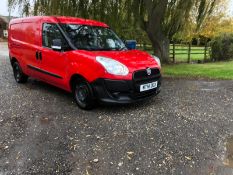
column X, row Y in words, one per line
column 84, row 57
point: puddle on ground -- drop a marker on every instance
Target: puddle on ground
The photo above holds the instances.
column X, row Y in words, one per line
column 229, row 153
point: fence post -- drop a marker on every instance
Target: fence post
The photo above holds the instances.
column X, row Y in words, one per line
column 174, row 52
column 205, row 55
column 189, row 53
column 144, row 46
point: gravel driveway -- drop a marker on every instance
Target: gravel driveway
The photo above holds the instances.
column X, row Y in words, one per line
column 181, row 131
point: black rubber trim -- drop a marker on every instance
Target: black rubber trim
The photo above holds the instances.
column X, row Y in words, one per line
column 44, row 72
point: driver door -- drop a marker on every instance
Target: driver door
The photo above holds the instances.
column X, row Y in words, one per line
column 53, row 62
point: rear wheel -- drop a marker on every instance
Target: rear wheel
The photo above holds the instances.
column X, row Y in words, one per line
column 20, row 77
column 83, row 94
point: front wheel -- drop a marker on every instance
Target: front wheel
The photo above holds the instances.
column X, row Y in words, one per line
column 20, row 77
column 83, row 94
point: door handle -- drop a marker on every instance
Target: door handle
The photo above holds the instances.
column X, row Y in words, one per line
column 37, row 55
column 40, row 55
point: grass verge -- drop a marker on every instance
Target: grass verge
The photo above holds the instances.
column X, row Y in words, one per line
column 218, row 70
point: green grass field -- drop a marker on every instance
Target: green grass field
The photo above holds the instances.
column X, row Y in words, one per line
column 184, row 56
column 218, row 70
column 184, row 50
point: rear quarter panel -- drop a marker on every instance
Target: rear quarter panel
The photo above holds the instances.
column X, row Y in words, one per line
column 24, row 41
column 15, row 36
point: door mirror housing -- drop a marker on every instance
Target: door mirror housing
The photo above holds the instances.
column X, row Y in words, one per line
column 57, row 45
column 131, row 44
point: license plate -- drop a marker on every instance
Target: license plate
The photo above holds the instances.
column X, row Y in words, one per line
column 149, row 86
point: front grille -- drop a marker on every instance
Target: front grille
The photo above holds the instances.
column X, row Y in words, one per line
column 142, row 76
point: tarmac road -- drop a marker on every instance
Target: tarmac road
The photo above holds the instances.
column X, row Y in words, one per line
column 181, row 131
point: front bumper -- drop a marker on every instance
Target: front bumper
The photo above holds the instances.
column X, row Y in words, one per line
column 123, row 91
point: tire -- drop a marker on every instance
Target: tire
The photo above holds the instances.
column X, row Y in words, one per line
column 20, row 77
column 83, row 94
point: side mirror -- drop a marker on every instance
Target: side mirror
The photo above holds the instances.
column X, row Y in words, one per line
column 57, row 45
column 131, row 44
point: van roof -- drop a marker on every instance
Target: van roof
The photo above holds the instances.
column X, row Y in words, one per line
column 60, row 19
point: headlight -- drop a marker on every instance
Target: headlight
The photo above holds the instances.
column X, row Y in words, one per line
column 157, row 60
column 112, row 66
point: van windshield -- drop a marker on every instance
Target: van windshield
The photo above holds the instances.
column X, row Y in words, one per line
column 93, row 38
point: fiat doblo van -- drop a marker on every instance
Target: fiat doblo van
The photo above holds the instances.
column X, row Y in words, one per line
column 84, row 57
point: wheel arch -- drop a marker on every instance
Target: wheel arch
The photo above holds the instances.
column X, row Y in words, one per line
column 73, row 78
column 13, row 60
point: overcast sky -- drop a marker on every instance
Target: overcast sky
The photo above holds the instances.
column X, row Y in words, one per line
column 4, row 9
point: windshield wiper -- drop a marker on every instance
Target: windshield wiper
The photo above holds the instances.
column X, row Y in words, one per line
column 123, row 48
column 83, row 48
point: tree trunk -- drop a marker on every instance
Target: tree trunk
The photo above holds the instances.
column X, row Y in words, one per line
column 161, row 45
column 153, row 28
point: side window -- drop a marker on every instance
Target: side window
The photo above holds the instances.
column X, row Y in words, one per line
column 51, row 32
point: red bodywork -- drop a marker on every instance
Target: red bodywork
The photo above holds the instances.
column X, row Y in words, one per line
column 25, row 39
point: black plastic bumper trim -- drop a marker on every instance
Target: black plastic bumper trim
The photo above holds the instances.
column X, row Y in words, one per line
column 121, row 91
